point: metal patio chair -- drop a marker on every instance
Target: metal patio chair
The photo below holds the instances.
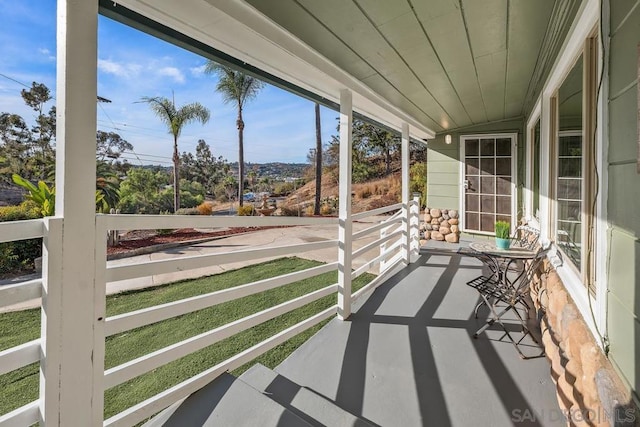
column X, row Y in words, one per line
column 503, row 294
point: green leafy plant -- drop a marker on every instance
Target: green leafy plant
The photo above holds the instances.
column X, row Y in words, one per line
column 19, row 255
column 43, row 195
column 503, row 229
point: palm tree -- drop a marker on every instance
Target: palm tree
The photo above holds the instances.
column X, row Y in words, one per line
column 236, row 88
column 175, row 119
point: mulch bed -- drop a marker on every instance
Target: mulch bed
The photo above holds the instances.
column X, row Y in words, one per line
column 142, row 238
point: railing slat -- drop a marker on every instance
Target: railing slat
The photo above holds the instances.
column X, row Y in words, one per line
column 151, row 222
column 123, row 272
column 146, row 316
column 378, row 211
column 21, row 230
column 157, row 403
column 376, row 243
column 376, row 227
column 19, row 356
column 388, row 252
column 20, row 292
column 26, row 415
column 139, row 366
column 395, row 262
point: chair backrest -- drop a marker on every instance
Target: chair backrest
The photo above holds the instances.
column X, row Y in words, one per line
column 526, row 237
column 524, row 279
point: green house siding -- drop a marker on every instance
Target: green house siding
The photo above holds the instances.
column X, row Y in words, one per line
column 443, row 169
column 624, row 193
column 443, row 174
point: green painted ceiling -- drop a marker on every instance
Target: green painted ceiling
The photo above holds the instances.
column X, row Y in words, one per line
column 449, row 63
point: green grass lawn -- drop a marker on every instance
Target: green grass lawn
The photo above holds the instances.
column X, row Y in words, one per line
column 20, row 387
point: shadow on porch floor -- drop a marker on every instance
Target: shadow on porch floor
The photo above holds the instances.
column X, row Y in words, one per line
column 406, row 357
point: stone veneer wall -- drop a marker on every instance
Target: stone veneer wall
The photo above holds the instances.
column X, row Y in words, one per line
column 588, row 389
column 441, row 224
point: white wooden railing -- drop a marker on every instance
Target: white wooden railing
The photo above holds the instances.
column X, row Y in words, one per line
column 30, row 352
column 394, row 245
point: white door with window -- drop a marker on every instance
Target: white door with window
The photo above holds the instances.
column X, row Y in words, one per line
column 488, row 190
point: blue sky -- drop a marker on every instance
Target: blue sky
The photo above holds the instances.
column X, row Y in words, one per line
column 280, row 126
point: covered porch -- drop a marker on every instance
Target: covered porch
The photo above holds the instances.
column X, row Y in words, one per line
column 398, row 351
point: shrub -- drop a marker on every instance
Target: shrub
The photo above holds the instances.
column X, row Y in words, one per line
column 326, row 210
column 364, row 192
column 245, row 210
column 19, row 255
column 205, row 208
column 309, row 210
column 288, row 210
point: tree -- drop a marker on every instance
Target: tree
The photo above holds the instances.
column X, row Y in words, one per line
column 175, row 119
column 107, row 185
column 44, row 130
column 230, row 187
column 203, row 167
column 140, row 192
column 110, row 145
column 374, row 140
column 316, row 209
column 14, row 138
column 236, row 88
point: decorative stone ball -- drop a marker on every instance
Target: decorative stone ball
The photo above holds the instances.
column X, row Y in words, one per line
column 453, row 221
column 421, row 228
column 445, row 216
column 427, row 235
column 455, row 229
column 452, row 238
column 427, row 217
column 453, row 213
column 444, row 211
column 436, row 213
column 442, row 220
column 437, row 236
column 428, row 227
column 444, row 231
column 435, row 221
column 435, row 227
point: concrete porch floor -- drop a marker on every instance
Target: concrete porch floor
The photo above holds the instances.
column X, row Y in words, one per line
column 406, row 357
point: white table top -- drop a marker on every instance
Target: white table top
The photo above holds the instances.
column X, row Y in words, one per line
column 513, row 252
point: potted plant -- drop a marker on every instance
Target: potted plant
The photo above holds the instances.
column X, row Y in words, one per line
column 503, row 229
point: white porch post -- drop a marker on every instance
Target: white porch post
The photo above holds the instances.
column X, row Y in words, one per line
column 79, row 399
column 345, row 232
column 404, row 150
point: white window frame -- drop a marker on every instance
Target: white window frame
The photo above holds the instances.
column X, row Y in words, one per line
column 586, row 19
column 514, row 177
column 527, row 193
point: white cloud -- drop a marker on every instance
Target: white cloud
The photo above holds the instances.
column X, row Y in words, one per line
column 46, row 52
column 198, row 71
column 172, row 72
column 118, row 69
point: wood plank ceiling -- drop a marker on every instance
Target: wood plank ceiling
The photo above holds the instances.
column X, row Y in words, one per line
column 449, row 63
